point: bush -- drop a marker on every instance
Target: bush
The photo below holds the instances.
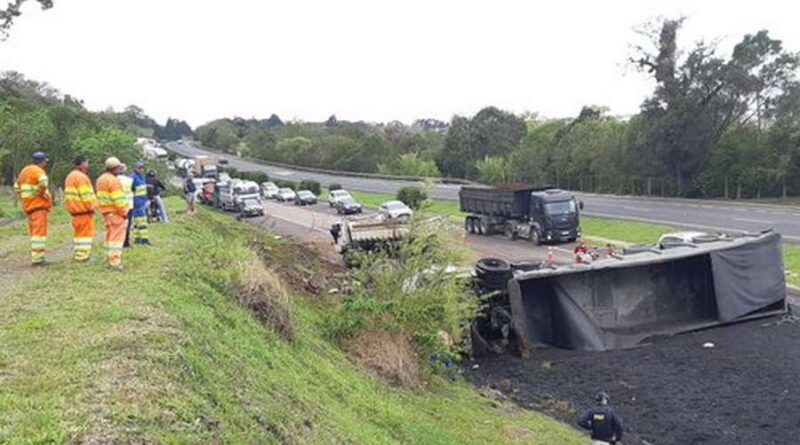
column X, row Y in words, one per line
column 407, row 293
column 232, row 172
column 313, row 186
column 286, row 184
column 412, row 196
column 334, row 186
column 258, row 177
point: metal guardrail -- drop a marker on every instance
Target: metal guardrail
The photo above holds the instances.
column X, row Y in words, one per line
column 337, row 172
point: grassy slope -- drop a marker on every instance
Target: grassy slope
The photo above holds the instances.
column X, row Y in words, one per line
column 596, row 229
column 161, row 352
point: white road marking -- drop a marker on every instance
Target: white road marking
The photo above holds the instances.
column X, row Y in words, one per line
column 757, row 221
column 643, row 209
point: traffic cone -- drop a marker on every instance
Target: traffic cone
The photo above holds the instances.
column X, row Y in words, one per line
column 551, row 255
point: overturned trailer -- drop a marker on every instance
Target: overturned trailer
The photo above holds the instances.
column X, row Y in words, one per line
column 622, row 301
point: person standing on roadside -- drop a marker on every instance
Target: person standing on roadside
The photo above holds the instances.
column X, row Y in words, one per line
column 602, row 421
column 114, row 208
column 80, row 200
column 31, row 189
column 140, row 232
column 127, row 189
column 154, row 189
column 190, row 192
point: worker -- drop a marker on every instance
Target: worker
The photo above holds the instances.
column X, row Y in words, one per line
column 114, row 208
column 31, row 189
column 190, row 192
column 581, row 252
column 154, row 189
column 80, row 200
column 602, row 421
column 127, row 189
column 140, row 232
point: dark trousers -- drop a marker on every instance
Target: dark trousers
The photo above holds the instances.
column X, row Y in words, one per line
column 128, row 229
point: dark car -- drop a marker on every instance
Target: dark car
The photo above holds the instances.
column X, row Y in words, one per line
column 251, row 207
column 305, row 197
column 348, row 206
column 222, row 161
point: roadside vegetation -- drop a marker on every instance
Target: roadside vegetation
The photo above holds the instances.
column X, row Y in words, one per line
column 217, row 334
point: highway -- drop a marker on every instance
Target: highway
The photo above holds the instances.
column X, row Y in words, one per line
column 699, row 214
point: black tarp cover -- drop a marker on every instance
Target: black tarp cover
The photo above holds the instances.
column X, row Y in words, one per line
column 616, row 303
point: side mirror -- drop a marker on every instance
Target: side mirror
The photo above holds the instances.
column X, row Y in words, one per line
column 580, row 205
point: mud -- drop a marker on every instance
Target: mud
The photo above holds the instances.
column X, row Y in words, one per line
column 672, row 391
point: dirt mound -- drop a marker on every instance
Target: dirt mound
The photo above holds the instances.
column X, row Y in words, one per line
column 262, row 291
column 673, row 391
column 388, row 356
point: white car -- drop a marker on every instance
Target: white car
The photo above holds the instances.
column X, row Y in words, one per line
column 286, row 194
column 395, row 210
column 269, row 190
column 337, row 195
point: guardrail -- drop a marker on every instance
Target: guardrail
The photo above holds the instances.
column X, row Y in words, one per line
column 337, row 172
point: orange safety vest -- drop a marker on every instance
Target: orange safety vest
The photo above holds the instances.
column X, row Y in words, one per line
column 110, row 198
column 78, row 194
column 29, row 185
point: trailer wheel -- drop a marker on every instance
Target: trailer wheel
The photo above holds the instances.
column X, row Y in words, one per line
column 485, row 228
column 468, row 224
column 508, row 231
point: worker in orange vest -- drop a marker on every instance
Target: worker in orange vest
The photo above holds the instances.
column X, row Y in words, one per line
column 114, row 208
column 31, row 189
column 80, row 201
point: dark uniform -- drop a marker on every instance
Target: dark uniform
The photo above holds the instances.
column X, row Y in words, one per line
column 603, row 422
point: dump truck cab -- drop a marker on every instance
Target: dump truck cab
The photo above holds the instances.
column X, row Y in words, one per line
column 555, row 213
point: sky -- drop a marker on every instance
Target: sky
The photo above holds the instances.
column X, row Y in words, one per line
column 362, row 60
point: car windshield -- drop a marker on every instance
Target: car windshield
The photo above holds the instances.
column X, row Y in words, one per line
column 560, row 207
column 395, row 206
column 339, row 194
column 348, row 201
column 305, row 194
column 251, row 202
column 248, row 190
column 285, row 190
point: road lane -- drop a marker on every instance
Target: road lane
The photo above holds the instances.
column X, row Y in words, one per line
column 706, row 215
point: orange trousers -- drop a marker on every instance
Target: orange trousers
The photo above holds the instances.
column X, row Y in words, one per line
column 82, row 235
column 114, row 227
column 37, row 229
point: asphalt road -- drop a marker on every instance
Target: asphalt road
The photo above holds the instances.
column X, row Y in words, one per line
column 705, row 215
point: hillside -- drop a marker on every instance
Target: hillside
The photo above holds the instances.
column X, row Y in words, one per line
column 163, row 353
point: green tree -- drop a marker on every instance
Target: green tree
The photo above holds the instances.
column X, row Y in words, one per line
column 410, row 164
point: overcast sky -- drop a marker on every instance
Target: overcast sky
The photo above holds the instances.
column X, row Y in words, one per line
column 371, row 60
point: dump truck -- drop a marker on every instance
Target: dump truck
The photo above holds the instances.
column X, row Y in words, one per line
column 205, row 166
column 365, row 235
column 538, row 214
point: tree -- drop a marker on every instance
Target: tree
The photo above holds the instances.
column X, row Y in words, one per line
column 12, row 11
column 410, row 164
column 493, row 170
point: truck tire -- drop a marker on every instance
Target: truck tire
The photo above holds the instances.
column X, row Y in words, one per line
column 534, row 237
column 493, row 265
column 493, row 274
column 467, row 224
column 470, row 225
column 508, row 231
column 486, row 229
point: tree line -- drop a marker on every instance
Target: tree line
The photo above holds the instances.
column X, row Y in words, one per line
column 35, row 116
column 714, row 125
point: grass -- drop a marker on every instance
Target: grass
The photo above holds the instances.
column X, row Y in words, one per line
column 162, row 353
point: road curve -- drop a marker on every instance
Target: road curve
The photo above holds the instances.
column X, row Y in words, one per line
column 706, row 215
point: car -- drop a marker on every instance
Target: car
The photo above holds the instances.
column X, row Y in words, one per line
column 269, row 190
column 682, row 238
column 395, row 210
column 347, row 206
column 286, row 194
column 305, row 197
column 222, row 161
column 335, row 195
column 251, row 207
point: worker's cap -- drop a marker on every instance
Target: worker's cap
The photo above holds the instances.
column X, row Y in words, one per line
column 112, row 163
column 601, row 396
column 151, row 173
column 138, row 164
column 40, row 156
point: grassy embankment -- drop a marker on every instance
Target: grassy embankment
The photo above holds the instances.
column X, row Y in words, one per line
column 163, row 353
column 595, row 230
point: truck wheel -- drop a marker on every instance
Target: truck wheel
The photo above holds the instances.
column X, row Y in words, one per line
column 508, row 231
column 469, row 225
column 534, row 237
column 485, row 228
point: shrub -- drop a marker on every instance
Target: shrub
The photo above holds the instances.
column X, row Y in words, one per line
column 412, row 196
column 334, row 186
column 407, row 293
column 286, row 184
column 313, row 186
column 258, row 177
column 232, row 172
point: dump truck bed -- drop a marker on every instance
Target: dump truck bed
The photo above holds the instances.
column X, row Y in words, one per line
column 510, row 201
